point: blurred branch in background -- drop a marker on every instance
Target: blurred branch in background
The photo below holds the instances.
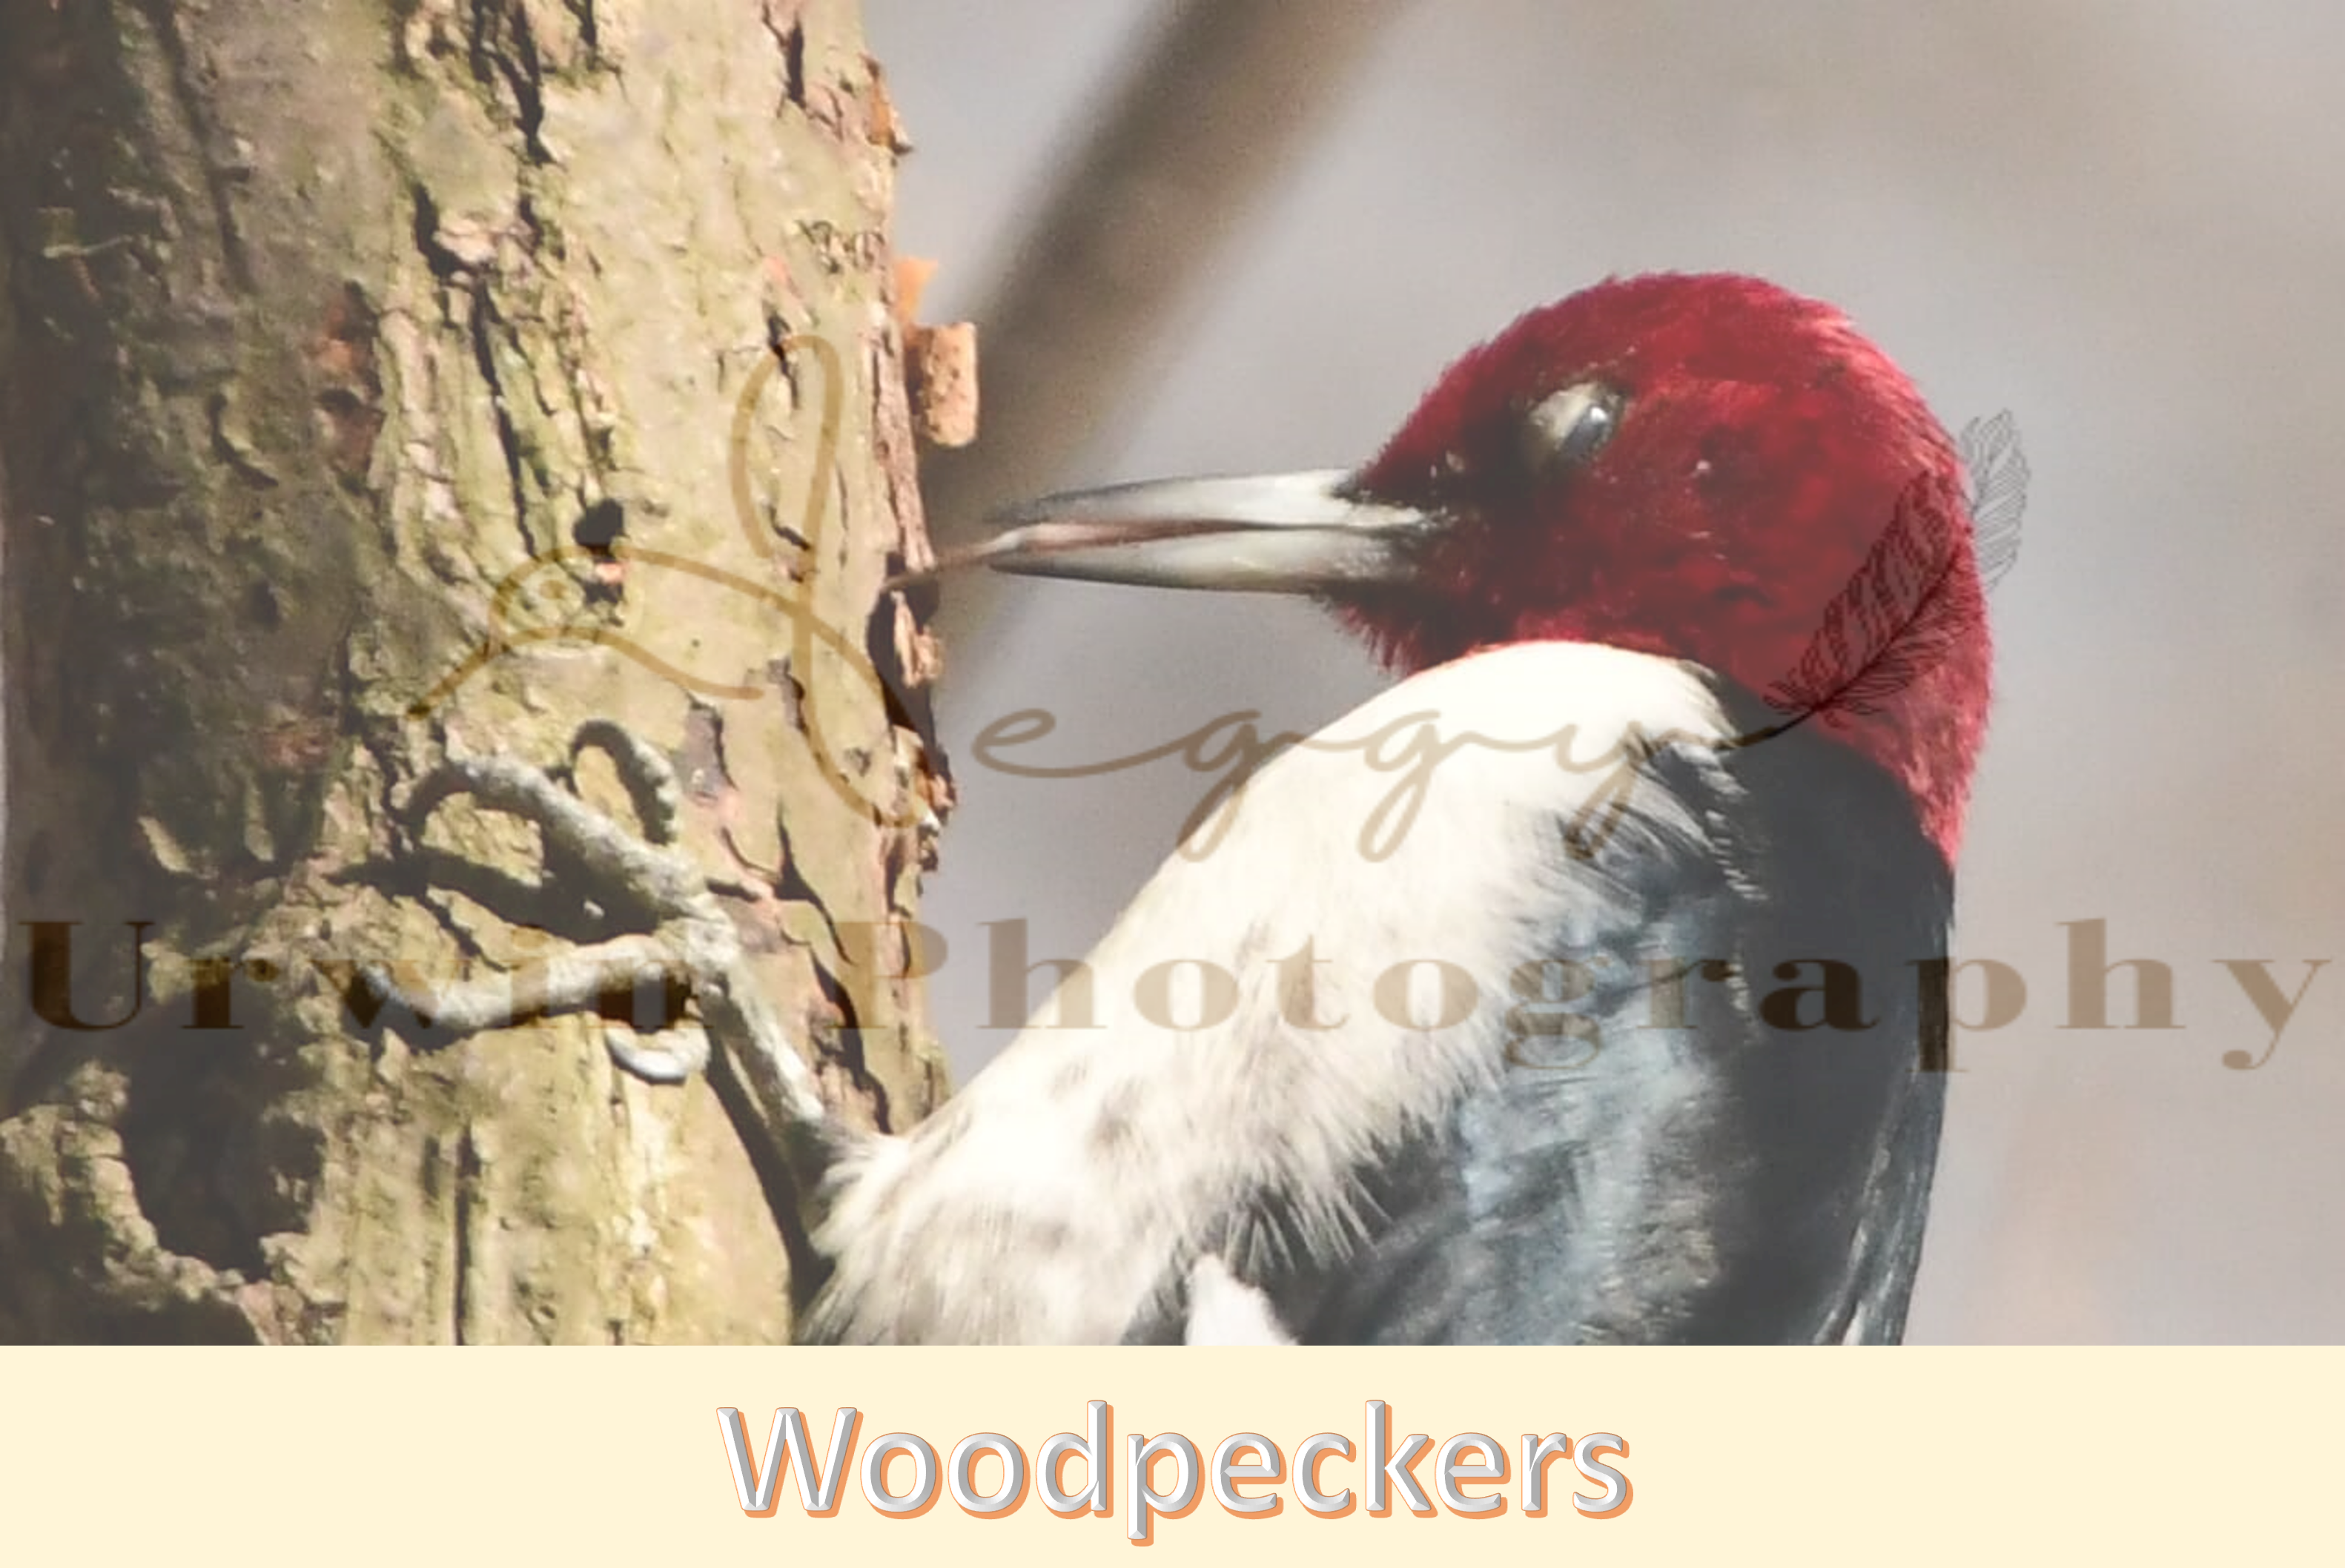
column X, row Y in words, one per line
column 1213, row 107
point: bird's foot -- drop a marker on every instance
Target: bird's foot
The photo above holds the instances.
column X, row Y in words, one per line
column 690, row 948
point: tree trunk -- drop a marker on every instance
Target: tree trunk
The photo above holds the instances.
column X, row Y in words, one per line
column 372, row 370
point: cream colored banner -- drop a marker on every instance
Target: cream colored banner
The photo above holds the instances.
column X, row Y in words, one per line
column 598, row 1456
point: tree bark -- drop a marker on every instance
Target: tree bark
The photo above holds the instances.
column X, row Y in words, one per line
column 372, row 373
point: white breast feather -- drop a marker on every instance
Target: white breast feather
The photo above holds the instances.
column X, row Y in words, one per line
column 1083, row 1167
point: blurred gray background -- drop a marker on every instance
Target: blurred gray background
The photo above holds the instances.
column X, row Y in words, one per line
column 2121, row 221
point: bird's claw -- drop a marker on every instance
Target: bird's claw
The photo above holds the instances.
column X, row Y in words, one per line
column 655, row 1063
column 691, row 949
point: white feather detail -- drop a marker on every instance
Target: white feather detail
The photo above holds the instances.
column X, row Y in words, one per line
column 1225, row 1310
column 1085, row 1169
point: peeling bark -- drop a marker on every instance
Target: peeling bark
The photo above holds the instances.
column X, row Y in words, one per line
column 341, row 341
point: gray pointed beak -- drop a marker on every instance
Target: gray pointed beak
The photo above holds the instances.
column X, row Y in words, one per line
column 1267, row 534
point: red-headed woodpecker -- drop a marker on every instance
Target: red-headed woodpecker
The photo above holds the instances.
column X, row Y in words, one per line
column 1565, row 1055
column 1586, row 985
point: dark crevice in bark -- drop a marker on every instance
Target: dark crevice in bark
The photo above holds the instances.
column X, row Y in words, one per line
column 910, row 704
column 443, row 263
column 788, row 29
column 484, row 355
column 502, row 49
column 194, row 107
column 847, row 1048
column 589, row 28
column 463, row 1203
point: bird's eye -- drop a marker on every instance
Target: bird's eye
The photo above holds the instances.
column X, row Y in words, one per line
column 1567, row 428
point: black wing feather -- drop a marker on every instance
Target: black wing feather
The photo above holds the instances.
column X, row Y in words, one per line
column 1722, row 1182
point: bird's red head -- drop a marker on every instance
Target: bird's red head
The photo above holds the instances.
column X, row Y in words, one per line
column 1707, row 468
column 1701, row 467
